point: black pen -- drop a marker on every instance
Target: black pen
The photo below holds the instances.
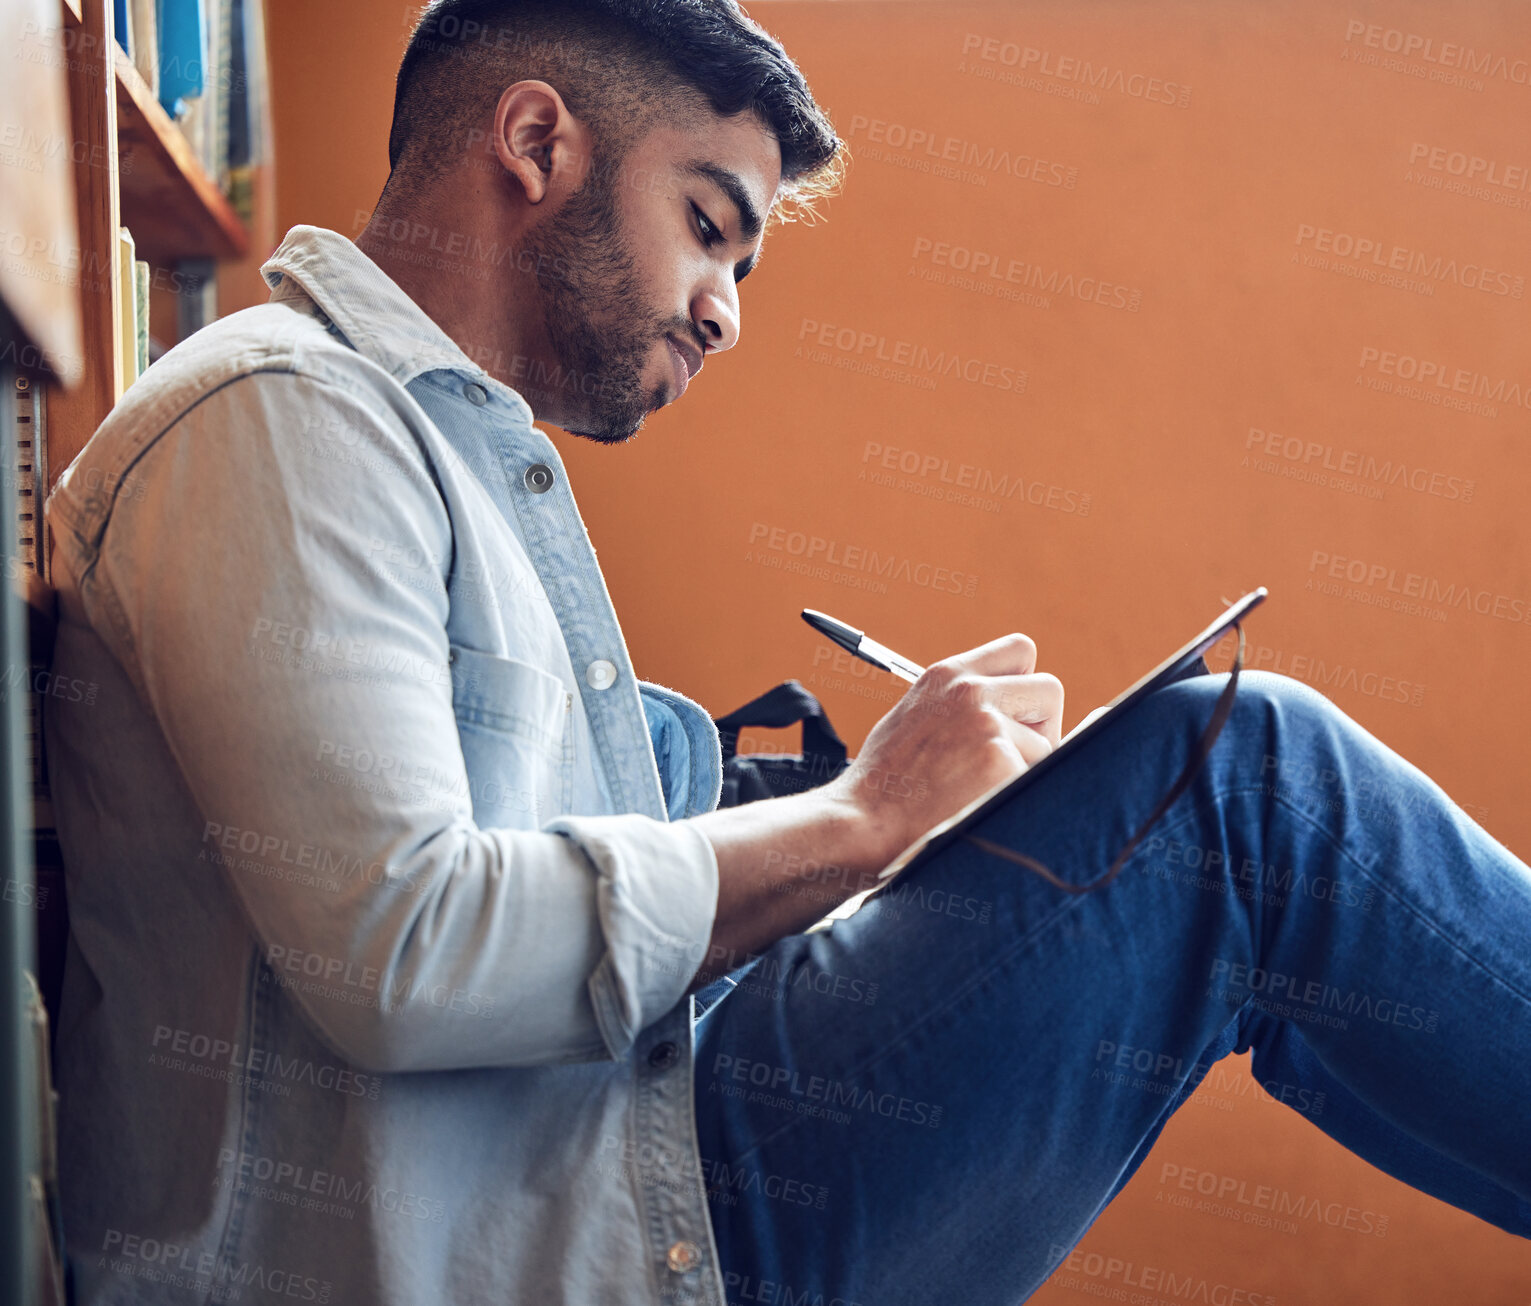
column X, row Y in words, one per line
column 868, row 650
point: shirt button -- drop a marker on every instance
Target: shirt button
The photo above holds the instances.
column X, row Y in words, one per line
column 663, row 1056
column 475, row 394
column 683, row 1256
column 600, row 674
column 539, row 478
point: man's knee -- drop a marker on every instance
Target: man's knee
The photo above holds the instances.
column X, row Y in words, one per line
column 1279, row 731
column 1272, row 686
column 1286, row 736
column 1255, row 687
column 1273, row 720
column 1291, row 706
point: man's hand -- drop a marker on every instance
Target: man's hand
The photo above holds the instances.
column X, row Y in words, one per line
column 970, row 723
column 967, row 725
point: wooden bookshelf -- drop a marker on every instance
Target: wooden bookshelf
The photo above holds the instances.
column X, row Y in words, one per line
column 38, row 193
column 75, row 411
column 89, row 151
column 137, row 170
column 40, row 326
column 173, row 208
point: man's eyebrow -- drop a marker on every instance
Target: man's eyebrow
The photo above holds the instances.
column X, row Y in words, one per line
column 730, row 184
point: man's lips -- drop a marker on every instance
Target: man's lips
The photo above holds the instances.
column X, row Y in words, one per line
column 687, row 365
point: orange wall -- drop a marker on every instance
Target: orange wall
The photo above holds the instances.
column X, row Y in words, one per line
column 1132, row 498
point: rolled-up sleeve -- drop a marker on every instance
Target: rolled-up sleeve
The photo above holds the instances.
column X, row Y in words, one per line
column 489, row 946
column 656, row 927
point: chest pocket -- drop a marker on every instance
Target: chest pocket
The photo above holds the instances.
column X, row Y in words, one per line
column 513, row 722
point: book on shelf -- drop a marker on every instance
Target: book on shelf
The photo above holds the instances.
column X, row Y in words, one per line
column 249, row 129
column 122, row 25
column 182, row 55
column 141, row 279
column 197, row 303
column 204, row 105
column 211, row 68
column 206, row 62
column 220, row 35
column 30, row 580
column 31, row 444
column 125, row 343
column 133, row 321
column 143, row 22
column 28, row 410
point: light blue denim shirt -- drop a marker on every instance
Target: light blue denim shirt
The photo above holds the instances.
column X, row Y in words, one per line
column 381, row 928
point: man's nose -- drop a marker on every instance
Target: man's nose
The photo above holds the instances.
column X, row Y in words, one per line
column 717, row 318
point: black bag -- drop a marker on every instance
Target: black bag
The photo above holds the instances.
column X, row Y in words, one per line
column 771, row 775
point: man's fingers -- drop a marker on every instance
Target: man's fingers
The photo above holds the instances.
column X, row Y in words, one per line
column 1034, row 701
column 1009, row 655
column 1031, row 743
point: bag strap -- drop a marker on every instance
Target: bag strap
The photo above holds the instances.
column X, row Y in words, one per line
column 785, row 705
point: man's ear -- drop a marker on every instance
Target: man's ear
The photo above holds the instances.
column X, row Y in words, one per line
column 539, row 143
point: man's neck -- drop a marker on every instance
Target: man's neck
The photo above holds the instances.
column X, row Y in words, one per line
column 451, row 272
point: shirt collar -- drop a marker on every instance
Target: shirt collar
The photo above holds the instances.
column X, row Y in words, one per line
column 370, row 309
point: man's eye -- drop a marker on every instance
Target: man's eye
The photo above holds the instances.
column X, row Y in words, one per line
column 710, row 234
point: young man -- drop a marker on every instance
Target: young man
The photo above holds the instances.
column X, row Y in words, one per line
column 389, row 880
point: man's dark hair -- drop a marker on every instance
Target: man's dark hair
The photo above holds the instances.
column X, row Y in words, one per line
column 619, row 65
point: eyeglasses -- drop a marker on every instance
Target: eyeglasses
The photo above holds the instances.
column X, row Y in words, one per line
column 1220, row 711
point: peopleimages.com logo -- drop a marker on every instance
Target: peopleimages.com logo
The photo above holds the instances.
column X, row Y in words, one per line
column 926, row 146
column 1375, row 252
column 843, row 562
column 874, row 353
column 1378, row 582
column 963, row 266
column 1084, row 78
column 1437, row 381
column 1429, row 49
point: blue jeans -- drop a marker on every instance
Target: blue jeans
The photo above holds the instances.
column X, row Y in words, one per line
column 934, row 1099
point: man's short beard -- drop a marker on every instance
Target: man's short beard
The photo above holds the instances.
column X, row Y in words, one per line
column 594, row 312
